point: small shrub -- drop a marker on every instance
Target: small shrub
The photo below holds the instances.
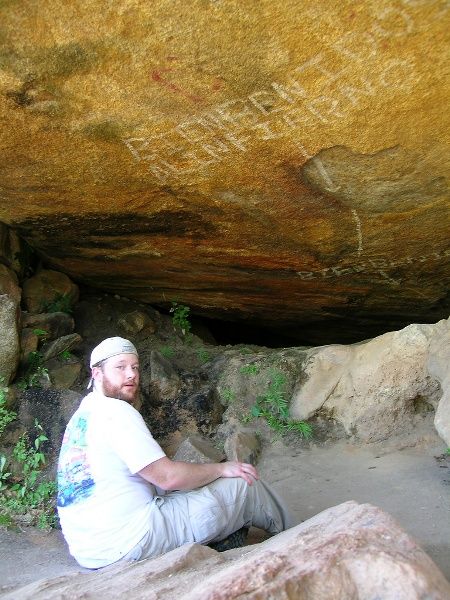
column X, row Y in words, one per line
column 26, row 491
column 180, row 318
column 65, row 355
column 245, row 350
column 41, row 333
column 249, row 369
column 228, row 395
column 167, row 351
column 34, row 372
column 203, row 355
column 60, row 303
column 6, row 416
column 273, row 407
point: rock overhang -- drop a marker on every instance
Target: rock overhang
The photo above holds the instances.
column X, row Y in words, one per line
column 283, row 165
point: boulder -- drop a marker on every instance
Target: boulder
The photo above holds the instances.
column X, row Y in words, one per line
column 9, row 323
column 350, row 551
column 438, row 367
column 290, row 174
column 373, row 388
column 49, row 291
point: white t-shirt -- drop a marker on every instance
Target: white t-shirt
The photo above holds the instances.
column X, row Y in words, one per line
column 103, row 505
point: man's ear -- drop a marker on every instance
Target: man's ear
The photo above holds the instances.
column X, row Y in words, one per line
column 96, row 373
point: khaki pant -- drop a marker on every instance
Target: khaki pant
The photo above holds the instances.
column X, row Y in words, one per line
column 208, row 514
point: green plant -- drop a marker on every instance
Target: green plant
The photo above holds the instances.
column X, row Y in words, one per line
column 447, row 451
column 203, row 355
column 41, row 333
column 60, row 303
column 27, row 491
column 6, row 416
column 249, row 369
column 4, row 473
column 228, row 395
column 167, row 351
column 5, row 521
column 34, row 371
column 273, row 407
column 65, row 355
column 180, row 318
column 245, row 350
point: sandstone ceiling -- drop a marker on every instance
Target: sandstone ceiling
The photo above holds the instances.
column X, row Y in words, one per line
column 282, row 163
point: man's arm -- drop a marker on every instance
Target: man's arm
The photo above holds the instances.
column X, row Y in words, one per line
column 175, row 475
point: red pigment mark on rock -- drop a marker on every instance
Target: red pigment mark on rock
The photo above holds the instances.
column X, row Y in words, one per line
column 157, row 76
column 218, row 84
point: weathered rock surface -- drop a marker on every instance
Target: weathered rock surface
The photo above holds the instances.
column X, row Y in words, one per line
column 350, row 551
column 10, row 295
column 439, row 368
column 373, row 388
column 292, row 173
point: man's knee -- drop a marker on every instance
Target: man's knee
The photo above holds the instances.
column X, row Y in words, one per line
column 231, row 487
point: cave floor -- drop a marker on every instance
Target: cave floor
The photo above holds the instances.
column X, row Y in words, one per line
column 412, row 484
column 409, row 481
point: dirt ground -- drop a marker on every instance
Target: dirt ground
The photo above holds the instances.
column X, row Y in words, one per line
column 408, row 478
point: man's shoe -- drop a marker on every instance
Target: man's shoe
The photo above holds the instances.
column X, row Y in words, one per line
column 236, row 539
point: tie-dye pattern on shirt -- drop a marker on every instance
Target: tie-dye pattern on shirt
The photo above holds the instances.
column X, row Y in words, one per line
column 75, row 482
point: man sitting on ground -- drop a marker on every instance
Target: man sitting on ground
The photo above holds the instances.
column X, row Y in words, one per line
column 109, row 466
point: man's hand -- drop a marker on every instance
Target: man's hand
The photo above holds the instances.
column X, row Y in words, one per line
column 238, row 469
column 176, row 475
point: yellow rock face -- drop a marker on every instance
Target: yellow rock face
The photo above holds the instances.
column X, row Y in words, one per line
column 279, row 161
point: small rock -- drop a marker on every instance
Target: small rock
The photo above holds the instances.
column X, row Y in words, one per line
column 244, row 446
column 196, row 449
column 63, row 376
column 29, row 342
column 136, row 321
column 55, row 324
column 67, row 342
